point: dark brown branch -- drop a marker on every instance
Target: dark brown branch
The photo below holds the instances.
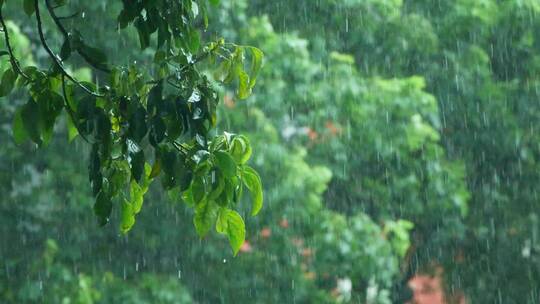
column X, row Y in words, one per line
column 53, row 55
column 65, row 33
column 12, row 58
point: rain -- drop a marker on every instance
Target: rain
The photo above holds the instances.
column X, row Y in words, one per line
column 251, row 151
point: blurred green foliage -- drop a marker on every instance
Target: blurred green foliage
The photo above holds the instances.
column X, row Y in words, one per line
column 392, row 137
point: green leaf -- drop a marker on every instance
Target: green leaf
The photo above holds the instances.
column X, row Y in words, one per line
column 205, row 215
column 118, row 175
column 60, row 3
column 138, row 190
column 103, row 125
column 155, row 98
column 128, row 217
column 198, row 189
column 156, row 168
column 223, row 72
column 256, row 64
column 194, row 41
column 137, row 125
column 157, row 131
column 252, row 180
column 8, row 82
column 144, row 33
column 163, row 34
column 204, row 13
column 103, row 207
column 19, row 131
column 28, row 6
column 72, row 129
column 136, row 196
column 226, row 163
column 214, row 2
column 244, row 90
column 50, row 106
column 228, row 193
column 230, row 223
column 240, row 149
column 65, row 51
column 136, row 199
column 32, row 121
column 137, row 162
column 94, row 55
column 194, row 9
column 187, row 197
column 94, row 170
column 217, row 188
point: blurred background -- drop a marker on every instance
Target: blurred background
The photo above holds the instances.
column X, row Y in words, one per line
column 397, row 140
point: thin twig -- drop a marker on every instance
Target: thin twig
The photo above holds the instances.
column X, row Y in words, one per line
column 12, row 58
column 68, row 17
column 65, row 33
column 180, row 148
column 70, row 111
column 200, row 57
column 191, row 64
column 54, row 57
column 169, row 81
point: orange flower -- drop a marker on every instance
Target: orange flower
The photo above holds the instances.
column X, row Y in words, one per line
column 334, row 130
column 307, row 252
column 246, row 247
column 229, row 102
column 284, row 223
column 312, row 134
column 266, row 232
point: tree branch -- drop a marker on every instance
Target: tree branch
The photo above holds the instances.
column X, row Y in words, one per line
column 54, row 57
column 201, row 57
column 12, row 58
column 64, row 32
column 180, row 148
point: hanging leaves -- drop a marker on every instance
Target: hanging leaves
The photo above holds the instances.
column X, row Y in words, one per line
column 133, row 118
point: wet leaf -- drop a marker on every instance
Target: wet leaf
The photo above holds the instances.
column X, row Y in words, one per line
column 225, row 163
column 205, row 217
column 28, row 6
column 103, row 207
column 19, row 131
column 251, row 179
column 230, row 223
column 8, row 82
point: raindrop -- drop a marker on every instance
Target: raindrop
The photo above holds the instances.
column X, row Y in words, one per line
column 195, row 96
